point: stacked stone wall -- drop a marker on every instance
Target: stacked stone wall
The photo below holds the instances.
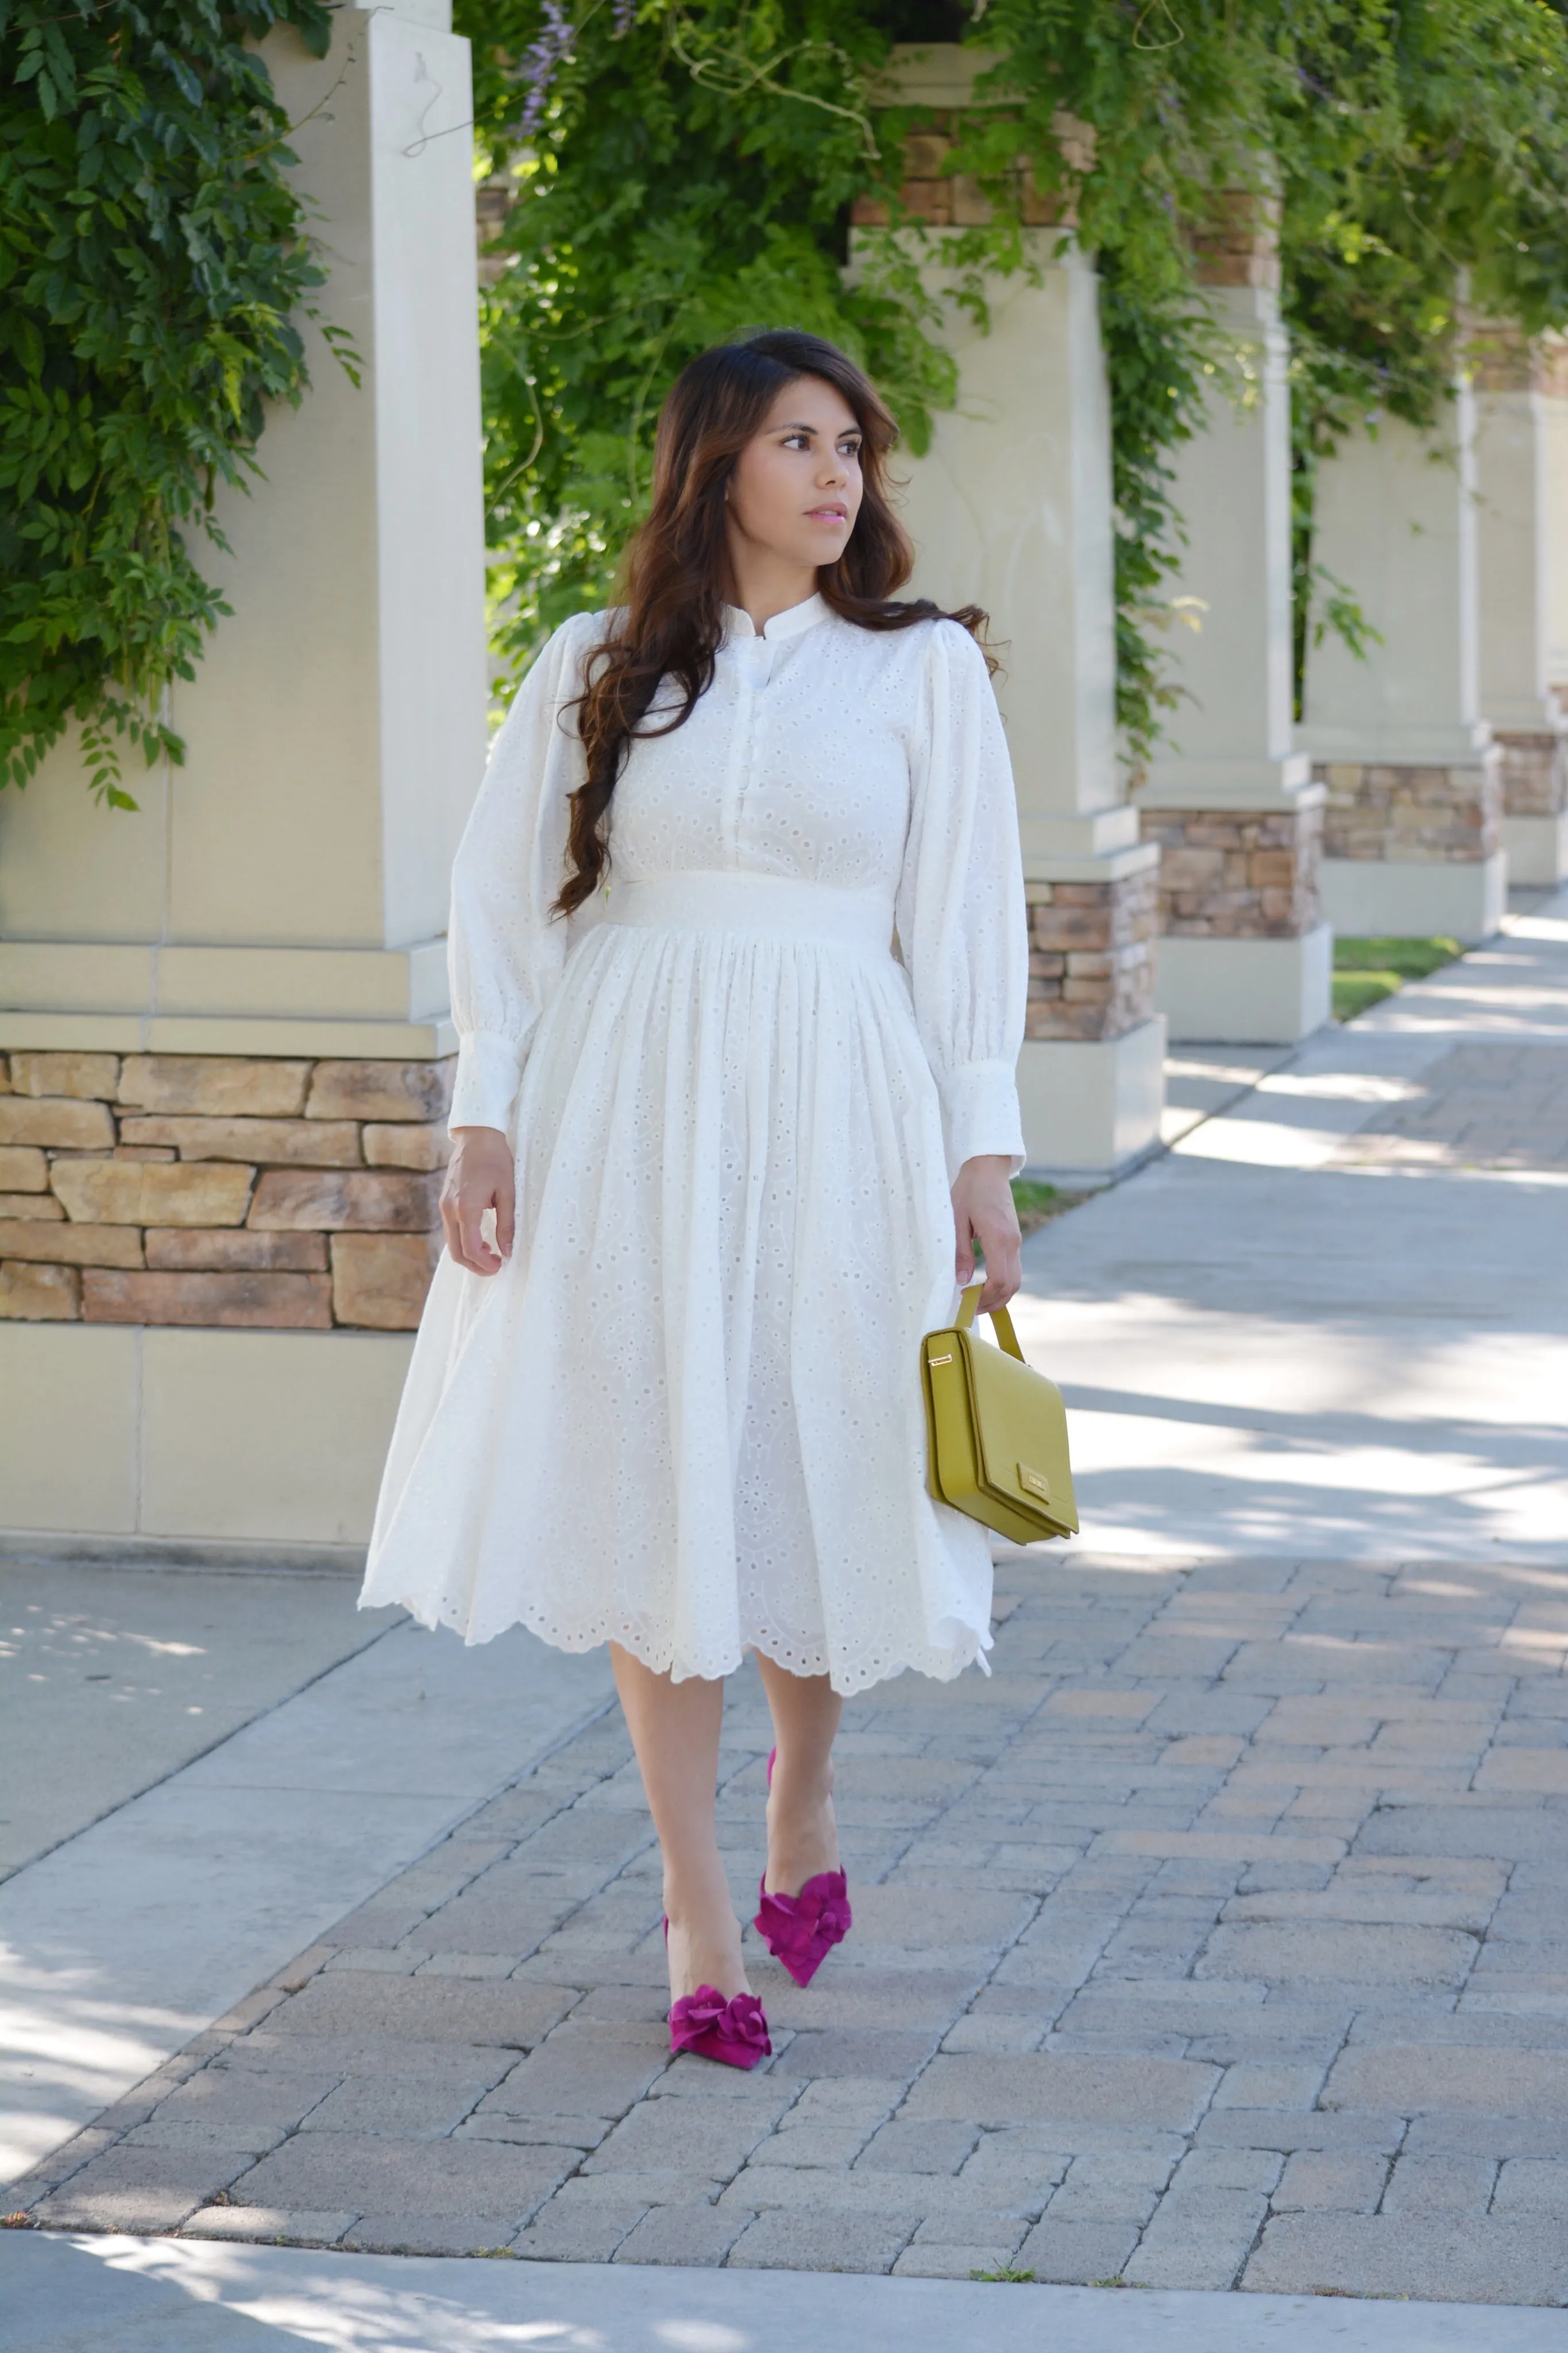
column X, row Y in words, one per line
column 1238, row 242
column 1238, row 874
column 1413, row 816
column 930, row 193
column 1091, row 958
column 1534, row 773
column 217, row 1189
column 1501, row 357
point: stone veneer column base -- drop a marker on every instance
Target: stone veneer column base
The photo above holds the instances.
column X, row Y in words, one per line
column 1537, row 848
column 210, row 1265
column 1245, row 959
column 1388, row 899
column 1091, row 1074
column 1246, row 992
column 1535, row 803
column 118, row 1432
column 272, row 1193
column 1412, row 850
column 1091, row 1111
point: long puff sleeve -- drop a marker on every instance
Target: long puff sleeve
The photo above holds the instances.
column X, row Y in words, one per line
column 961, row 918
column 505, row 949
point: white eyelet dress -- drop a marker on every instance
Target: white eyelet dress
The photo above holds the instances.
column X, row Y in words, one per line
column 686, row 1414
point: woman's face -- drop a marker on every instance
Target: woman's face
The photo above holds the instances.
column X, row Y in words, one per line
column 796, row 488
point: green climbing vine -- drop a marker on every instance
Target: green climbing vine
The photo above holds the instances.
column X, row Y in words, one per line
column 1416, row 152
column 1424, row 150
column 684, row 168
column 153, row 262
column 679, row 173
column 662, row 173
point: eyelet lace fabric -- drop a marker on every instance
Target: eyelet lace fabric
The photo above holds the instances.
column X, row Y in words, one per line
column 686, row 1414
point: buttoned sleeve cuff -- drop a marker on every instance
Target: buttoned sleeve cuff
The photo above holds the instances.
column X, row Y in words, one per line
column 980, row 1114
column 490, row 1071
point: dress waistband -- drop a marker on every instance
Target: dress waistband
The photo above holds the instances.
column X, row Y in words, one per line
column 768, row 904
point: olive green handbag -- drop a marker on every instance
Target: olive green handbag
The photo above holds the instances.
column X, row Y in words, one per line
column 996, row 1432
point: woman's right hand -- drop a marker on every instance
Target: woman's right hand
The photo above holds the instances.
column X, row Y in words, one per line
column 479, row 1176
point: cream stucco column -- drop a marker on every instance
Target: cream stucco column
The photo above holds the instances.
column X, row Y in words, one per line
column 284, row 891
column 1245, row 955
column 1413, row 842
column 223, row 1018
column 1514, row 526
column 1011, row 509
column 1552, row 396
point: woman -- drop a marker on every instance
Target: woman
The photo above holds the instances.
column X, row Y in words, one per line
column 739, row 961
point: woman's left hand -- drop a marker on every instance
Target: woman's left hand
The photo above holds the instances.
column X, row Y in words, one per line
column 983, row 1212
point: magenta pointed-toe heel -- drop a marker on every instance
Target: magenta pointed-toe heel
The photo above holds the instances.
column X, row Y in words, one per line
column 801, row 1930
column 735, row 2033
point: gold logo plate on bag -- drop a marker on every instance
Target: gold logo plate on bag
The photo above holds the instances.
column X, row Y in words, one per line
column 1036, row 1481
column 942, row 1360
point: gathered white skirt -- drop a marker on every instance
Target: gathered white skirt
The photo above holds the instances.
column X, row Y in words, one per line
column 686, row 1414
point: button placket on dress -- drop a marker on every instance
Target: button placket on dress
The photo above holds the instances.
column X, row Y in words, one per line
column 753, row 659
column 752, row 775
column 739, row 651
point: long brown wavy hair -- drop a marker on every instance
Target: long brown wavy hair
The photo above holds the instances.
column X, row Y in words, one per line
column 675, row 575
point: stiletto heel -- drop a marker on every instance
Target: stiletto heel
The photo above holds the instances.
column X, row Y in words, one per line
column 801, row 1930
column 735, row 2033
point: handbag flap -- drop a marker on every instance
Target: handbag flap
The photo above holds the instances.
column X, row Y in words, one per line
column 1021, row 1432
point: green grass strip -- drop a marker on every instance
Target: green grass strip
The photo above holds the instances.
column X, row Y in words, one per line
column 1028, row 1195
column 1367, row 971
column 1411, row 959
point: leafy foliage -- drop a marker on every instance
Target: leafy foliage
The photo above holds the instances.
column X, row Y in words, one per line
column 690, row 166
column 1423, row 147
column 681, row 170
column 692, row 171
column 691, row 177
column 1417, row 152
column 1172, row 100
column 151, row 253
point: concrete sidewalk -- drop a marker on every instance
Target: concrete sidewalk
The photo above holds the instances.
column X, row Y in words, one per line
column 1214, row 1941
column 172, row 2296
column 117, row 1677
column 359, row 1742
column 1333, row 1320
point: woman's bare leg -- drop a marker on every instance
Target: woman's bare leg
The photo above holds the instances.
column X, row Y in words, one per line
column 675, row 1731
column 803, row 1835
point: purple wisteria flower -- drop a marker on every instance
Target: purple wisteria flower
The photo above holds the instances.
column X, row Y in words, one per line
column 625, row 10
column 540, row 62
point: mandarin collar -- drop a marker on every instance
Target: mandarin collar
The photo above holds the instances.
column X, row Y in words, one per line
column 788, row 623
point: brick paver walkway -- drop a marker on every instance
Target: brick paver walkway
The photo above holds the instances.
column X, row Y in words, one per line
column 1215, row 1940
column 1497, row 1105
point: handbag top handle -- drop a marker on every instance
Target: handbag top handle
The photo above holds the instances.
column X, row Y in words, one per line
column 1001, row 1322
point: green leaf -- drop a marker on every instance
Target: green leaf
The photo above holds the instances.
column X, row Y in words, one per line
column 155, row 261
